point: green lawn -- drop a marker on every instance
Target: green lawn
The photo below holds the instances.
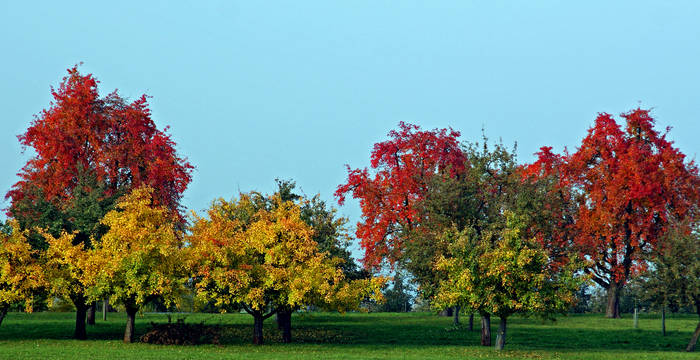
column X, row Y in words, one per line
column 355, row 336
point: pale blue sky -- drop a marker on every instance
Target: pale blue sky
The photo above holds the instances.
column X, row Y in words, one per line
column 296, row 89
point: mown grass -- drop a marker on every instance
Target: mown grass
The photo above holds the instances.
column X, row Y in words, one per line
column 355, row 336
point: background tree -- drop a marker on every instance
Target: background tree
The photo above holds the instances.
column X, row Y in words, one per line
column 625, row 185
column 140, row 256
column 674, row 278
column 21, row 272
column 263, row 259
column 401, row 169
column 511, row 275
column 89, row 150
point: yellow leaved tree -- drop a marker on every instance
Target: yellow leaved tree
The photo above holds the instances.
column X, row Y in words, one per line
column 139, row 257
column 259, row 255
column 69, row 267
column 21, row 273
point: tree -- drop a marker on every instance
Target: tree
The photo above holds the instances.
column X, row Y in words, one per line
column 263, row 258
column 329, row 232
column 674, row 277
column 90, row 150
column 21, row 273
column 623, row 187
column 139, row 257
column 511, row 275
column 401, row 169
column 68, row 266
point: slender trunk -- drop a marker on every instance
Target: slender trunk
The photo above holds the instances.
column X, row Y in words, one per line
column 3, row 312
column 613, row 309
column 485, row 329
column 80, row 312
column 471, row 322
column 91, row 313
column 105, row 305
column 258, row 328
column 663, row 321
column 501, row 336
column 456, row 317
column 636, row 317
column 694, row 339
column 130, row 324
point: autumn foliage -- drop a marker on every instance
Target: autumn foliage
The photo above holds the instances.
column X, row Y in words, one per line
column 108, row 138
column 389, row 194
column 264, row 260
column 623, row 186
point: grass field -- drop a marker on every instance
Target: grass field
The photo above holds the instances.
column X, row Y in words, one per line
column 355, row 336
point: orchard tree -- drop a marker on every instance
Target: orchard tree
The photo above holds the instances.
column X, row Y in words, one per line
column 624, row 186
column 21, row 272
column 389, row 193
column 674, row 277
column 264, row 259
column 140, row 256
column 89, row 151
column 68, row 267
column 511, row 275
column 329, row 232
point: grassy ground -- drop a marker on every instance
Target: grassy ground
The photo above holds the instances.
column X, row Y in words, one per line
column 355, row 336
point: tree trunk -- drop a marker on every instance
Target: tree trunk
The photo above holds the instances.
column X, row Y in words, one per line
column 663, row 321
column 286, row 317
column 80, row 312
column 91, row 314
column 613, row 309
column 105, row 306
column 456, row 317
column 501, row 336
column 485, row 329
column 636, row 317
column 130, row 324
column 446, row 312
column 258, row 328
column 694, row 339
column 3, row 312
column 471, row 322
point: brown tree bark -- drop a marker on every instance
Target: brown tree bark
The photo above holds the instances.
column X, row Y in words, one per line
column 130, row 324
column 105, row 307
column 501, row 336
column 613, row 308
column 471, row 322
column 485, row 329
column 92, row 309
column 456, row 315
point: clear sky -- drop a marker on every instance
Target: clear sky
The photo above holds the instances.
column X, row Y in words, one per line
column 255, row 90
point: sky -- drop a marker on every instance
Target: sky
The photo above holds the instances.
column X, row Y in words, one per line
column 254, row 91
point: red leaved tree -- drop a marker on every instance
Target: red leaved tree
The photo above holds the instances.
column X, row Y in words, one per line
column 389, row 194
column 89, row 151
column 619, row 191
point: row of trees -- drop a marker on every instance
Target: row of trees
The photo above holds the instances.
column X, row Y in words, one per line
column 479, row 231
column 254, row 253
column 96, row 214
